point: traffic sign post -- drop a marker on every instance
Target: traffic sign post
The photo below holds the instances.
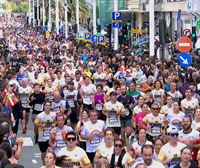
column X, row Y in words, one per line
column 187, row 32
column 117, row 24
column 101, row 40
column 184, row 44
column 94, row 39
column 88, row 37
column 184, row 60
column 116, row 16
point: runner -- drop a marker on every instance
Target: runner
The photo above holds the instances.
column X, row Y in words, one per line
column 44, row 122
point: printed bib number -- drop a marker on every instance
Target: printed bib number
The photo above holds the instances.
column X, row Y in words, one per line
column 156, row 129
column 71, row 103
column 95, row 141
column 98, row 107
column 60, row 144
column 112, row 117
column 24, row 99
column 174, row 161
column 38, row 107
column 46, row 134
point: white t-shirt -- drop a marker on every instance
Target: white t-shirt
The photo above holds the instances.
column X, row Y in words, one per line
column 168, row 151
column 174, row 119
column 87, row 93
column 94, row 130
column 188, row 106
column 154, row 164
column 112, row 110
column 77, row 155
column 137, row 147
column 192, row 135
column 155, row 122
column 98, row 77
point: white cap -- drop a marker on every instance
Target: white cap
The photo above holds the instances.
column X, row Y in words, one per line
column 172, row 130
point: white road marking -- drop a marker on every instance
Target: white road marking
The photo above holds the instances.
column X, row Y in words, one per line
column 34, row 161
column 27, row 141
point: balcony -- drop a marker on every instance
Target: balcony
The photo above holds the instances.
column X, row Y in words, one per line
column 133, row 5
column 167, row 6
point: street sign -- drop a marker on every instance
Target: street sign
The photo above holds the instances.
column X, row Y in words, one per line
column 101, row 39
column 184, row 44
column 117, row 24
column 136, row 31
column 116, row 16
column 186, row 32
column 184, row 60
column 88, row 36
column 94, row 39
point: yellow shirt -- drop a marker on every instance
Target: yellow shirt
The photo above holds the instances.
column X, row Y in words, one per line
column 77, row 155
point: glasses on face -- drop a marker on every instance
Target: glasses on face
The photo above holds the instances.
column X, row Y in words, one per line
column 173, row 135
column 155, row 108
column 118, row 145
column 71, row 139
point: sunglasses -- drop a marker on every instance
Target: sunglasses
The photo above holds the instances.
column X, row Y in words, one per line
column 71, row 139
column 173, row 134
column 118, row 145
column 155, row 108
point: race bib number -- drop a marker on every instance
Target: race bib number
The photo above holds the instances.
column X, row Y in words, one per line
column 189, row 112
column 46, row 134
column 174, row 161
column 38, row 107
column 24, row 99
column 98, row 107
column 156, row 129
column 71, row 103
column 95, row 141
column 60, row 144
column 112, row 117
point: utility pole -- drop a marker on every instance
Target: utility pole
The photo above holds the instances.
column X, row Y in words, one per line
column 38, row 19
column 57, row 16
column 29, row 12
column 77, row 16
column 151, row 27
column 43, row 13
column 49, row 22
column 66, row 19
column 94, row 18
column 116, row 31
column 33, row 13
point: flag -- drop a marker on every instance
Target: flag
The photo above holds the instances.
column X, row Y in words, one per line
column 10, row 99
column 7, row 89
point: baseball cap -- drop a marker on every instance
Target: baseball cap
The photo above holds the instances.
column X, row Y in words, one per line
column 172, row 130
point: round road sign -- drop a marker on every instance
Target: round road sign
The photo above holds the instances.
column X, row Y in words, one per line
column 184, row 44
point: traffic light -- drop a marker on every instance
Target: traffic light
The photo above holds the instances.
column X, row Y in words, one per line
column 109, row 30
column 99, row 29
column 194, row 35
column 124, row 31
column 109, row 33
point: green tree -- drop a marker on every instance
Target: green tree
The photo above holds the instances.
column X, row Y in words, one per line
column 83, row 9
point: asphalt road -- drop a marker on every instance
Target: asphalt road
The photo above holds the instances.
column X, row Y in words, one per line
column 31, row 156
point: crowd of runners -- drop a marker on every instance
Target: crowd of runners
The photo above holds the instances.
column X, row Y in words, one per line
column 91, row 106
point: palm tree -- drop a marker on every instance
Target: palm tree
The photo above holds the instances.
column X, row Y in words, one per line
column 83, row 9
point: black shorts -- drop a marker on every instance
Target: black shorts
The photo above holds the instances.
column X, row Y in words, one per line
column 27, row 110
column 117, row 130
column 87, row 106
column 91, row 156
column 43, row 146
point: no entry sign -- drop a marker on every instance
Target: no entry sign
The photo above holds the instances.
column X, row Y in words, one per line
column 184, row 44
